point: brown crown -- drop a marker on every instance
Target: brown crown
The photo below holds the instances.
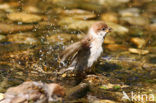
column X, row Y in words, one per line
column 98, row 26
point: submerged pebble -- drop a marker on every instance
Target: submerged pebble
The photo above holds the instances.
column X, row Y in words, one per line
column 118, row 28
column 24, row 17
column 138, row 51
column 31, row 9
column 78, row 14
column 6, row 7
column 110, row 17
column 78, row 91
column 11, row 28
column 116, row 47
column 109, row 40
column 2, row 38
column 152, row 27
column 129, row 12
column 61, row 38
column 138, row 42
column 141, row 21
column 26, row 38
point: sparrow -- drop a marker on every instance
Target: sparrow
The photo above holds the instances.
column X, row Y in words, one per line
column 84, row 53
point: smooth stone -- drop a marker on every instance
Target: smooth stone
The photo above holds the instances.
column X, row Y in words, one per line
column 129, row 12
column 138, row 51
column 116, row 47
column 113, row 86
column 151, row 7
column 11, row 28
column 141, row 21
column 2, row 38
column 67, row 4
column 6, row 7
column 94, row 99
column 24, row 38
column 153, row 74
column 104, row 101
column 78, row 91
column 110, row 17
column 108, row 3
column 152, row 27
column 55, row 38
column 118, row 28
column 77, row 14
column 138, row 42
column 98, row 5
column 71, row 23
column 109, row 40
column 31, row 9
column 24, row 17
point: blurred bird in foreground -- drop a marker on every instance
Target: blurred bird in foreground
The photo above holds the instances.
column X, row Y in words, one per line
column 34, row 92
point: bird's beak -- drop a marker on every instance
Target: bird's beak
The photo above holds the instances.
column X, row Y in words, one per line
column 109, row 29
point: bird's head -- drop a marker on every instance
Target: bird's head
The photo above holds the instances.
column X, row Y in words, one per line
column 99, row 30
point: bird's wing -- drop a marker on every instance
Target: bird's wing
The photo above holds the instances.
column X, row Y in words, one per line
column 70, row 51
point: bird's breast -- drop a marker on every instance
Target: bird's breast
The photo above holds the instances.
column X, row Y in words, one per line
column 95, row 52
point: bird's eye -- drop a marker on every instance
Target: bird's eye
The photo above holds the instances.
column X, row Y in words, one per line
column 104, row 29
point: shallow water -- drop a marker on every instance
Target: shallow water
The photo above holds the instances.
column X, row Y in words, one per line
column 33, row 34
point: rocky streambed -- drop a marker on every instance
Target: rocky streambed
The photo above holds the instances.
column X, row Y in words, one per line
column 34, row 33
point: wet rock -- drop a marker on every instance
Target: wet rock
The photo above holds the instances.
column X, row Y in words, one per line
column 113, row 86
column 141, row 21
column 152, row 27
column 151, row 7
column 112, row 3
column 96, row 80
column 105, row 95
column 138, row 51
column 24, row 38
column 11, row 28
column 116, row 47
column 109, row 40
column 24, row 17
column 93, row 99
column 98, row 5
column 153, row 74
column 138, row 42
column 133, row 17
column 78, row 14
column 101, row 5
column 35, row 92
column 129, row 12
column 2, row 38
column 6, row 7
column 118, row 28
column 62, row 38
column 67, row 4
column 77, row 92
column 71, row 23
column 110, row 17
column 31, row 9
